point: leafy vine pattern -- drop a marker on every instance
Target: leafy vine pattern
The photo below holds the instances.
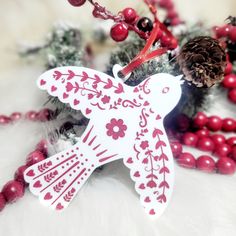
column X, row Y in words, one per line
column 69, row 195
column 50, row 176
column 154, row 158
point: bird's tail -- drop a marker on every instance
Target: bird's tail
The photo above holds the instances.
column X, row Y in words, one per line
column 57, row 179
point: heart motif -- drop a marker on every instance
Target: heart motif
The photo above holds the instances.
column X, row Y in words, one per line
column 136, row 174
column 49, row 163
column 147, row 199
column 146, row 103
column 152, row 212
column 65, row 95
column 59, row 206
column 158, row 117
column 88, row 111
column 47, row 196
column 42, row 82
column 130, row 160
column 136, row 90
column 120, row 89
column 53, row 88
column 30, row 173
column 90, row 96
column 37, row 184
column 142, row 186
column 76, row 102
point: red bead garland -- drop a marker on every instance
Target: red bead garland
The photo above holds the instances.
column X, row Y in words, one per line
column 14, row 189
column 198, row 135
column 42, row 116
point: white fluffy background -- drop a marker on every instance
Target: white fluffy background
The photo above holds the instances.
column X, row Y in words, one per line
column 202, row 204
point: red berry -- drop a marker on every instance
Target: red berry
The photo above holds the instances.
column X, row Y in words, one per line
column 228, row 68
column 32, row 115
column 176, row 148
column 119, row 32
column 164, row 3
column 232, row 34
column 214, row 123
column 206, row 144
column 200, row 120
column 232, row 95
column 42, row 146
column 190, row 139
column 165, row 41
column 4, row 120
column 229, row 125
column 222, row 150
column 175, row 21
column 226, row 166
column 12, row 191
column 130, row 15
column 16, row 116
column 19, row 174
column 231, row 141
column 229, row 81
column 218, row 139
column 173, row 44
column 205, row 163
column 186, row 160
column 76, row 3
column 34, row 157
column 45, row 115
column 202, row 133
column 2, row 202
column 223, row 31
column 172, row 14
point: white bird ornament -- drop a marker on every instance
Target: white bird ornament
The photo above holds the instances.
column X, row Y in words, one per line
column 124, row 123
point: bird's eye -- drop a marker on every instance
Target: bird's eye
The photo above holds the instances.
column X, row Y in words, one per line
column 165, row 90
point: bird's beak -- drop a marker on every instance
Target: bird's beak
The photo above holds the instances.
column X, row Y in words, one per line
column 180, row 79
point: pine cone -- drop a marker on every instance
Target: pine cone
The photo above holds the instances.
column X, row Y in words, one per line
column 202, row 61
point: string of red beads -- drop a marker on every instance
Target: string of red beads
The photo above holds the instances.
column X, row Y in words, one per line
column 227, row 35
column 199, row 133
column 14, row 189
column 42, row 115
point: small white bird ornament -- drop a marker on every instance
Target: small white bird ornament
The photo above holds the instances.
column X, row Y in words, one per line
column 125, row 123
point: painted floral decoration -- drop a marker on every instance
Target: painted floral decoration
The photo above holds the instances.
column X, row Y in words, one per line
column 116, row 128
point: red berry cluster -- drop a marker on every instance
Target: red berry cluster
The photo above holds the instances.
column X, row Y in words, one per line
column 172, row 16
column 227, row 35
column 198, row 133
column 226, row 32
column 128, row 20
column 43, row 116
column 14, row 189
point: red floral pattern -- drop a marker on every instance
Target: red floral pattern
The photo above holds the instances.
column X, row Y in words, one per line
column 116, row 128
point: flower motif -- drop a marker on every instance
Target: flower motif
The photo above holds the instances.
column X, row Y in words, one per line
column 116, row 128
column 106, row 99
column 57, row 75
column 144, row 145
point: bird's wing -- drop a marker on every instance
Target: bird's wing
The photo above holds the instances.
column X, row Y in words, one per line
column 151, row 164
column 83, row 88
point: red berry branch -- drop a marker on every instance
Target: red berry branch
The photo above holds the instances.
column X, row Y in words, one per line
column 128, row 20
